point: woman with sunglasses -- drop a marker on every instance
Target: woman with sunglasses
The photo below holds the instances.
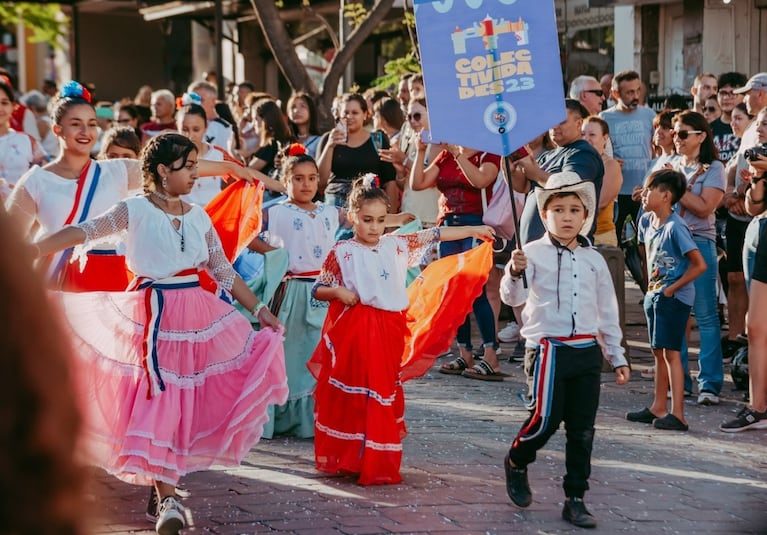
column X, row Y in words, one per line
column 706, row 185
column 423, row 204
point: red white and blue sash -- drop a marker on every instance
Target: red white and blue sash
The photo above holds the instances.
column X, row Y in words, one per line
column 86, row 189
column 154, row 304
column 543, row 382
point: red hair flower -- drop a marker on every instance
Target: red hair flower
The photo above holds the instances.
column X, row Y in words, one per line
column 296, row 149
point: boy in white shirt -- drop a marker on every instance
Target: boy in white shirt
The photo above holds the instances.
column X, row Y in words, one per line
column 570, row 318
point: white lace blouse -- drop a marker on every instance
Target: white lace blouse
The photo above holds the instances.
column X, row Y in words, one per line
column 153, row 244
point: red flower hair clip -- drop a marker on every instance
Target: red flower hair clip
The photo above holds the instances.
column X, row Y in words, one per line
column 296, row 149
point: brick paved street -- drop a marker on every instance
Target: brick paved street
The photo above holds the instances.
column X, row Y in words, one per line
column 643, row 480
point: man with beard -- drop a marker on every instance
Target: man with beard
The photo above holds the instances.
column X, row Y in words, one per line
column 703, row 87
column 631, row 133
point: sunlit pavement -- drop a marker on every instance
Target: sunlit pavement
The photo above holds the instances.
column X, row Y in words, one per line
column 643, row 480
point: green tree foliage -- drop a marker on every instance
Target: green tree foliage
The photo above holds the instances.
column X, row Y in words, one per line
column 46, row 21
column 409, row 63
column 394, row 69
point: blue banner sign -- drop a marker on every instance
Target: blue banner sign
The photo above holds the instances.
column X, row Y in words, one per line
column 491, row 71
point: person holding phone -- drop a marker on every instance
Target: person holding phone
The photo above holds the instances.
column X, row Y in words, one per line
column 460, row 174
column 424, row 203
column 349, row 152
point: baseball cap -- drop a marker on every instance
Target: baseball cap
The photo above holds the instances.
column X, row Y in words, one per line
column 757, row 81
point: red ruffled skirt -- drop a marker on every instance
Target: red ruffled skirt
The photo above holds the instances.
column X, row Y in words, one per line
column 359, row 403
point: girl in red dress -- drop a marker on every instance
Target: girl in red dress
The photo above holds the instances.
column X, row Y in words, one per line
column 359, row 403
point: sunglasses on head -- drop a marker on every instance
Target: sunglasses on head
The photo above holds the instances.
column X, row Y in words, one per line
column 414, row 116
column 684, row 134
column 597, row 92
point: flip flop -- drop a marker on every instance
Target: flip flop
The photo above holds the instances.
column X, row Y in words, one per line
column 454, row 367
column 483, row 372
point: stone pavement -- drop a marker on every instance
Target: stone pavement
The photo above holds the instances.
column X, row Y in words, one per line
column 643, row 480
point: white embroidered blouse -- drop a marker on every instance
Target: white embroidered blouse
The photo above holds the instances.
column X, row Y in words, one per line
column 306, row 236
column 569, row 293
column 377, row 274
column 154, row 244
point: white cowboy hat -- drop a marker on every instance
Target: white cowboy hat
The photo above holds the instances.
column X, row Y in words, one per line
column 570, row 181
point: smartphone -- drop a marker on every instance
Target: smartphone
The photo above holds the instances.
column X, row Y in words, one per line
column 377, row 137
column 342, row 128
column 426, row 138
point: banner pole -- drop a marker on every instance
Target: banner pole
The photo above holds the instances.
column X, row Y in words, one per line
column 507, row 176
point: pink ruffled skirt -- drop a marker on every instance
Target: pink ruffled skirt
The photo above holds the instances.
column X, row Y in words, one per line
column 220, row 376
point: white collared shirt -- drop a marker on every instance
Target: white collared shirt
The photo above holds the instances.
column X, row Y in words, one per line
column 569, row 293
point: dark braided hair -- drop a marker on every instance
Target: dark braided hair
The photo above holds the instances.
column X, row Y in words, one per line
column 164, row 149
column 291, row 161
column 192, row 109
column 364, row 189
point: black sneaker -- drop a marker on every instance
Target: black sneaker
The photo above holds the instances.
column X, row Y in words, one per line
column 729, row 348
column 747, row 419
column 151, row 506
column 517, row 486
column 576, row 513
column 518, row 353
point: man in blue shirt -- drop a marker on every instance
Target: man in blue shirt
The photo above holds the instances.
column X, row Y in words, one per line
column 631, row 134
column 572, row 153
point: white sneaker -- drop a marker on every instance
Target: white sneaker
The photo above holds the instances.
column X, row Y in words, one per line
column 171, row 518
column 708, row 398
column 510, row 333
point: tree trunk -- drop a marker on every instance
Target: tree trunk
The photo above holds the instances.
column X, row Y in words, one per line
column 284, row 52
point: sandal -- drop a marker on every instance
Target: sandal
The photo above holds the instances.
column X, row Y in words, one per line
column 483, row 371
column 454, row 367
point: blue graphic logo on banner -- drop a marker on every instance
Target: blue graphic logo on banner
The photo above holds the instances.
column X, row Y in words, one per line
column 491, row 71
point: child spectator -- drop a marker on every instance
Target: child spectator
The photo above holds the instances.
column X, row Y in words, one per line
column 673, row 262
column 359, row 400
column 570, row 318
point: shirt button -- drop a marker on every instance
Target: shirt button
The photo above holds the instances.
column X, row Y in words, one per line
column 575, row 293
